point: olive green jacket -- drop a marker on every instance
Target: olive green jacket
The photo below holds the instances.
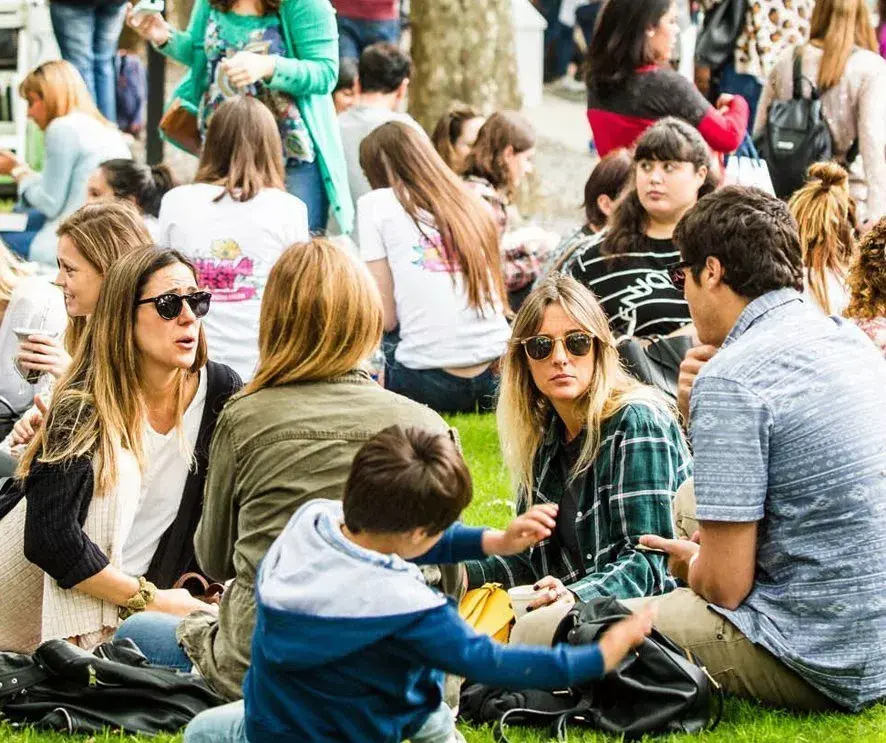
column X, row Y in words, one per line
column 273, row 451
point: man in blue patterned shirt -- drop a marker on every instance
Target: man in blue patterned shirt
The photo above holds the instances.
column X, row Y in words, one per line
column 786, row 600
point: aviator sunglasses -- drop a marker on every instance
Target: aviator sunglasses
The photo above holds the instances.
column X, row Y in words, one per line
column 169, row 305
column 540, row 347
column 677, row 274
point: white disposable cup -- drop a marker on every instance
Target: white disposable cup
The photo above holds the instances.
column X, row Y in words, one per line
column 521, row 597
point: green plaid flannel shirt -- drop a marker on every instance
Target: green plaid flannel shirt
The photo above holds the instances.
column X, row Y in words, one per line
column 627, row 492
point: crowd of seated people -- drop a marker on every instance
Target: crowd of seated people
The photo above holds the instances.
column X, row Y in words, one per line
column 193, row 391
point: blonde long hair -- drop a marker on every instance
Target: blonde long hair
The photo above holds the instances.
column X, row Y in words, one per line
column 12, row 270
column 840, row 26
column 824, row 210
column 99, row 406
column 321, row 316
column 62, row 89
column 101, row 233
column 524, row 413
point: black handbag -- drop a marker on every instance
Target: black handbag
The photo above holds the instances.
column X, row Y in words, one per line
column 64, row 688
column 722, row 26
column 658, row 689
column 8, row 417
column 656, row 363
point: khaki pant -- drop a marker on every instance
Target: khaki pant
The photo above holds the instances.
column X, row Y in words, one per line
column 738, row 665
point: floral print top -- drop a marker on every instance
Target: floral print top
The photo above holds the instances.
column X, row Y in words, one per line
column 229, row 33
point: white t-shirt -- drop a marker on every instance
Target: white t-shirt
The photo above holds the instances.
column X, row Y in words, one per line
column 35, row 303
column 438, row 328
column 233, row 245
column 162, row 485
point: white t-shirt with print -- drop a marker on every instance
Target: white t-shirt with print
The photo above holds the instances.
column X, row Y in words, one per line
column 233, row 245
column 162, row 485
column 438, row 328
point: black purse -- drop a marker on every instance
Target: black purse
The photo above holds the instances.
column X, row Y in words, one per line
column 716, row 40
column 656, row 363
column 658, row 689
column 8, row 417
column 64, row 688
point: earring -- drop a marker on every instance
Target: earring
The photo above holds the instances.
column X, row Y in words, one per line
column 650, row 33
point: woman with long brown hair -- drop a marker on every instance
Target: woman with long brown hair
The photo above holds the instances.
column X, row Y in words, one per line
column 76, row 139
column 433, row 251
column 841, row 59
column 111, row 488
column 282, row 52
column 456, row 133
column 825, row 215
column 233, row 222
column 288, row 438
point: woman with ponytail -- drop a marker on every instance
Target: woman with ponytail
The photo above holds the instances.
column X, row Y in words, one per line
column 825, row 213
column 141, row 185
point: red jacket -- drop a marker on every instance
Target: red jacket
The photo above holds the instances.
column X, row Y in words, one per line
column 652, row 93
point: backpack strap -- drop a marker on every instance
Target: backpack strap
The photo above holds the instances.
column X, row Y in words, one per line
column 799, row 78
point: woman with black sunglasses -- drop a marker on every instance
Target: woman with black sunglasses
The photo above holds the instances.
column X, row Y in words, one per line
column 111, row 487
column 578, row 432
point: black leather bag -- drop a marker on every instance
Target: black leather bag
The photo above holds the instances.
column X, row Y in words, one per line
column 61, row 687
column 658, row 689
column 656, row 363
column 715, row 45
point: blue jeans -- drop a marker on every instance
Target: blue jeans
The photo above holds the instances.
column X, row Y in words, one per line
column 20, row 242
column 305, row 180
column 746, row 86
column 441, row 391
column 87, row 37
column 154, row 633
column 586, row 18
column 355, row 34
column 228, row 725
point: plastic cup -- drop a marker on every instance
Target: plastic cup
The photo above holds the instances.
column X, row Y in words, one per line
column 31, row 376
column 521, row 597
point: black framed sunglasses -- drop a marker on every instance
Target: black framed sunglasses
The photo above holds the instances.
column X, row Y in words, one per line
column 540, row 347
column 677, row 274
column 169, row 305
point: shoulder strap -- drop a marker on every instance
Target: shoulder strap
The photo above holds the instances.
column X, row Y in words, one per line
column 798, row 73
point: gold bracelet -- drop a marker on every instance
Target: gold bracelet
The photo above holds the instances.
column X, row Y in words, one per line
column 139, row 601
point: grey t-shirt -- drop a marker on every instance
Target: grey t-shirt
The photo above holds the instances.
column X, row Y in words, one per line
column 356, row 124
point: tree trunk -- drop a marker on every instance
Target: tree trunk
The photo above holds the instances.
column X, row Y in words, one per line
column 463, row 50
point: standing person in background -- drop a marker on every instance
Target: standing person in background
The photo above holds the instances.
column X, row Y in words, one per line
column 233, row 223
column 631, row 83
column 362, row 23
column 825, row 217
column 456, row 134
column 87, row 32
column 771, row 27
column 141, row 185
column 867, row 283
column 842, row 60
column 345, row 95
column 433, row 252
column 382, row 83
column 284, row 53
column 76, row 139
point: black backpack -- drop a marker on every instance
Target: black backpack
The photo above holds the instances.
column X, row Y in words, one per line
column 796, row 135
column 64, row 688
column 660, row 688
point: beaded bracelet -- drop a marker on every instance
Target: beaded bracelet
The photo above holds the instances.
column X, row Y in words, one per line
column 139, row 601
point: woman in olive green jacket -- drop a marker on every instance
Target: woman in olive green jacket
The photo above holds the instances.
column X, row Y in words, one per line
column 284, row 52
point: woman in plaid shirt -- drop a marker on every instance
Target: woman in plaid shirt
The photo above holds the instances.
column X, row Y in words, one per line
column 578, row 431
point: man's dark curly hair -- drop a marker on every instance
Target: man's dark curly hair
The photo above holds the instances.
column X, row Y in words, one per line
column 751, row 233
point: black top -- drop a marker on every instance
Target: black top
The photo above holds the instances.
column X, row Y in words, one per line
column 634, row 287
column 568, row 514
column 59, row 496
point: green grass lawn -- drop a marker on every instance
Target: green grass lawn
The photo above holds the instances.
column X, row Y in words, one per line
column 742, row 722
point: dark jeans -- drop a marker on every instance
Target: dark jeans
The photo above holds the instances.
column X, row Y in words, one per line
column 586, row 18
column 746, row 86
column 559, row 44
column 355, row 34
column 20, row 242
column 442, row 391
column 87, row 37
column 305, row 181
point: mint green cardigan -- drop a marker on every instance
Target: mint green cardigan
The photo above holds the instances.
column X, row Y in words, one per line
column 308, row 73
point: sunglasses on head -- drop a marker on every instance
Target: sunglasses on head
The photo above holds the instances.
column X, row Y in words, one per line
column 540, row 347
column 677, row 274
column 169, row 305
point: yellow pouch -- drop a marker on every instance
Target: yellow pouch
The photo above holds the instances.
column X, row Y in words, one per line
column 488, row 610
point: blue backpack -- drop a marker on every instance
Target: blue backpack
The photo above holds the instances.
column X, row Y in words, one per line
column 132, row 92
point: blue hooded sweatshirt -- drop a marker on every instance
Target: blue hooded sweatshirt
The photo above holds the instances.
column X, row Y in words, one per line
column 352, row 645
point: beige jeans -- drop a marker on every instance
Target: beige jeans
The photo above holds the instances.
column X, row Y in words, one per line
column 738, row 665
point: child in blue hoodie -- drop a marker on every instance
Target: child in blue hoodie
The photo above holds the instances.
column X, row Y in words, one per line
column 351, row 644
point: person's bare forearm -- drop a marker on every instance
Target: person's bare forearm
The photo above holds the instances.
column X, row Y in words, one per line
column 110, row 585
